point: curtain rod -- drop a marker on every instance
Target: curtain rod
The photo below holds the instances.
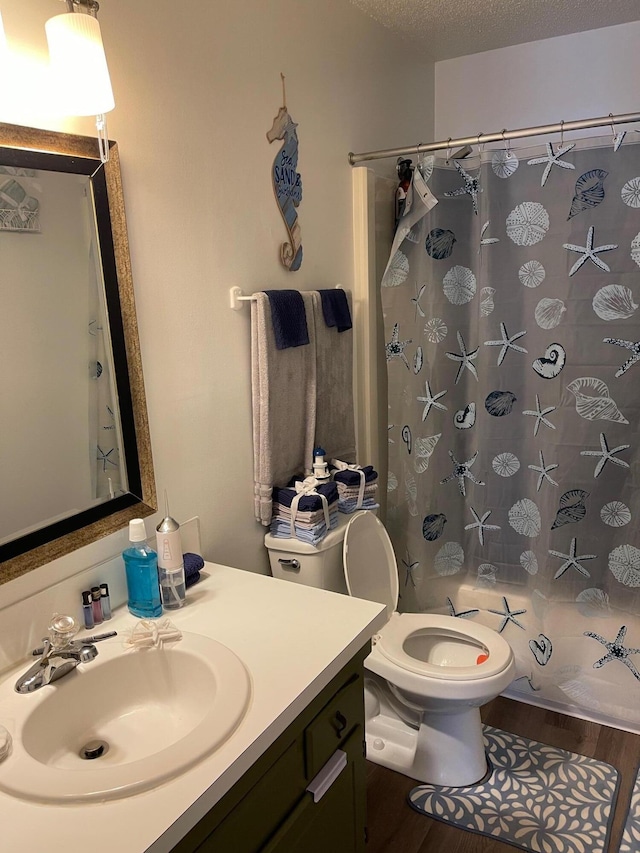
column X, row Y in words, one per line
column 500, row 136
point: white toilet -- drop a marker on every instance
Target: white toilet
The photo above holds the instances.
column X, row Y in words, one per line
column 427, row 675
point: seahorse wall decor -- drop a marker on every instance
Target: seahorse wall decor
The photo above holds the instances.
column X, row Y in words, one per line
column 287, row 183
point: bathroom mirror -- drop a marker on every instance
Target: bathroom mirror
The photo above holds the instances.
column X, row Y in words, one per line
column 75, row 455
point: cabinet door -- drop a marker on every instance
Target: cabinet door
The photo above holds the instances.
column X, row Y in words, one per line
column 269, row 803
column 333, row 823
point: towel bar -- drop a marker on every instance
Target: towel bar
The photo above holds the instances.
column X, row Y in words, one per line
column 237, row 297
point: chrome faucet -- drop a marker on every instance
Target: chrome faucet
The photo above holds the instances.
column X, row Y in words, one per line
column 54, row 664
column 59, row 654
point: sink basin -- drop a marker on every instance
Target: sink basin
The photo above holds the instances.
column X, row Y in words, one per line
column 149, row 714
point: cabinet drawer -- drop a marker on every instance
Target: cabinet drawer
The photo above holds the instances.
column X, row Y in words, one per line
column 333, row 725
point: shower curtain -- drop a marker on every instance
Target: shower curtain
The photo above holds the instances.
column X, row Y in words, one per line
column 104, row 439
column 512, row 335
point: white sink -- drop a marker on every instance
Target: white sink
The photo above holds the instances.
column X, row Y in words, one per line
column 158, row 710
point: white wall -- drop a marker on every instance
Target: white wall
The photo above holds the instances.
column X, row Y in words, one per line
column 197, row 88
column 584, row 75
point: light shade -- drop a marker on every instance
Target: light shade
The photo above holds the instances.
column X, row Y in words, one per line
column 78, row 64
column 3, row 41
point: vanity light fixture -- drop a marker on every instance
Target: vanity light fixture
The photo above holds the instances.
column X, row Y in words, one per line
column 79, row 65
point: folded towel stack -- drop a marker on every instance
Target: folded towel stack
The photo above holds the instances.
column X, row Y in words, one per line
column 307, row 510
column 357, row 487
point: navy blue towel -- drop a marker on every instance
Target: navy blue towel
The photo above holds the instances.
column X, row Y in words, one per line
column 289, row 318
column 352, row 478
column 192, row 565
column 335, row 308
column 308, row 503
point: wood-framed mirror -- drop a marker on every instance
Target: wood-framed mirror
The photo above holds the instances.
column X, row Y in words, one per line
column 75, row 452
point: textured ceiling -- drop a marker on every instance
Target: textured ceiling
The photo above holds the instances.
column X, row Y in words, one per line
column 449, row 28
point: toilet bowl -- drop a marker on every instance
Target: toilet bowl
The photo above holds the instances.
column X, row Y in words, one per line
column 427, row 675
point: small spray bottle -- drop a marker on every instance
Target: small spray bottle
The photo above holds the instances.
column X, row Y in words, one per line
column 170, row 563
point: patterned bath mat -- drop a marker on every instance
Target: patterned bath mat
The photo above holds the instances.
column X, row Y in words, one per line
column 631, row 836
column 535, row 797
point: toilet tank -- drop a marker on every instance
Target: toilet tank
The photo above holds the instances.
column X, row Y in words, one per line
column 319, row 566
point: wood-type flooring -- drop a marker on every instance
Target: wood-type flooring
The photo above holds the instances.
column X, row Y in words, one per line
column 394, row 827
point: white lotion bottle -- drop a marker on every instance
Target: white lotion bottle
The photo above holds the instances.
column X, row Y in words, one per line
column 170, row 562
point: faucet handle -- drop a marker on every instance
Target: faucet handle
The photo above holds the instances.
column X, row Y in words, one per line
column 87, row 653
column 62, row 630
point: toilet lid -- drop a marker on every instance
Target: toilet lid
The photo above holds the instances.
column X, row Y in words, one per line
column 370, row 567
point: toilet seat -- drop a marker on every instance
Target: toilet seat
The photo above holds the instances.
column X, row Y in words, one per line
column 446, row 649
column 435, row 634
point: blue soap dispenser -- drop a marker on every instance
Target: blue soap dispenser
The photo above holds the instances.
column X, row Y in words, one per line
column 141, row 566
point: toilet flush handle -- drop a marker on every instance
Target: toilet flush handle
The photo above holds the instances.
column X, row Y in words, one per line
column 290, row 565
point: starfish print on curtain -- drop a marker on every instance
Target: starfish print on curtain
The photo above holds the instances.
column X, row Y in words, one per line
column 508, row 615
column 410, row 566
column 588, row 253
column 395, row 348
column 103, row 456
column 618, row 139
column 634, row 346
column 465, row 358
column 416, row 300
column 552, row 159
column 460, row 614
column 486, row 241
column 572, row 561
column 506, row 343
column 480, row 524
column 615, row 651
column 460, row 471
column 540, row 416
column 431, row 400
column 470, row 187
column 606, row 455
column 543, row 470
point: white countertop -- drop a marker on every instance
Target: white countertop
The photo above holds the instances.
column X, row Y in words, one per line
column 293, row 639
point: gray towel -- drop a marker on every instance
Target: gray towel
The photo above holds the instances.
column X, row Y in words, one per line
column 335, row 429
column 284, row 404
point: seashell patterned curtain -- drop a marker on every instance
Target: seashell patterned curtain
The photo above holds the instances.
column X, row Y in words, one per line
column 513, row 341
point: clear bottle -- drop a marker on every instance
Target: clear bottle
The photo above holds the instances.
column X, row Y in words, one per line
column 141, row 566
column 96, row 605
column 105, row 601
column 170, row 562
column 87, row 609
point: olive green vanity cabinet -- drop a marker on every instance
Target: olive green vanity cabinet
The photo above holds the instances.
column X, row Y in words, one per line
column 270, row 809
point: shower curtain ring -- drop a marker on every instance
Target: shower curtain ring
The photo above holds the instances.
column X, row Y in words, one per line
column 480, row 147
column 448, row 151
column 562, row 134
column 507, row 143
column 613, row 127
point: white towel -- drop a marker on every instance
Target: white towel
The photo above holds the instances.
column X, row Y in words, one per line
column 335, row 428
column 284, row 405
